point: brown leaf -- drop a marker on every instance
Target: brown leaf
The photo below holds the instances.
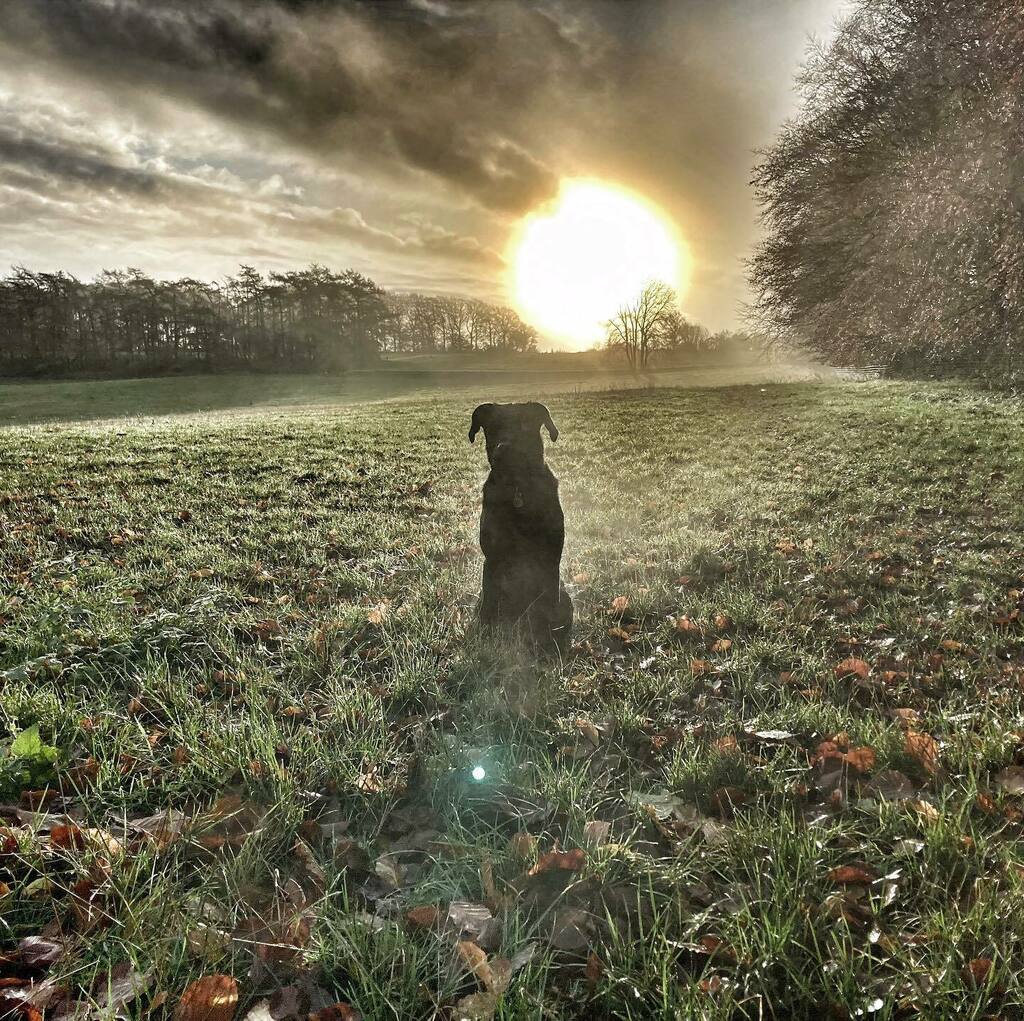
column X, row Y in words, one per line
column 852, row 667
column 851, row 875
column 427, row 916
column 725, row 799
column 211, row 998
column 688, row 626
column 722, row 645
column 924, row 749
column 595, row 833
column 337, row 1012
column 977, row 971
column 722, row 622
column 522, row 845
column 619, row 605
column 594, row 970
column 571, row 861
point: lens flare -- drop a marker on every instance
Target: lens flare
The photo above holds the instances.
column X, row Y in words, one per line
column 576, row 260
column 479, row 772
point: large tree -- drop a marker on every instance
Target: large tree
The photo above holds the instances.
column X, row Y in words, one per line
column 894, row 202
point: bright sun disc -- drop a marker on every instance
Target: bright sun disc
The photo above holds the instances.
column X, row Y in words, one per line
column 578, row 259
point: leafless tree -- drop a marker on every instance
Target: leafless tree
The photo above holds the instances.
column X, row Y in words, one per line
column 642, row 325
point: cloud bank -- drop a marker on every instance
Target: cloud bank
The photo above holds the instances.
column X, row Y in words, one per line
column 402, row 138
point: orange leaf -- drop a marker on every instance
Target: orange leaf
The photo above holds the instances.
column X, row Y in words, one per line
column 851, row 875
column 977, row 971
column 852, row 667
column 619, row 604
column 337, row 1012
column 861, row 759
column 212, row 998
column 571, row 861
column 595, row 969
column 924, row 748
column 688, row 626
column 424, row 917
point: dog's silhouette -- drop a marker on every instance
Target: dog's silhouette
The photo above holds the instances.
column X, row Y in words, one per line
column 522, row 528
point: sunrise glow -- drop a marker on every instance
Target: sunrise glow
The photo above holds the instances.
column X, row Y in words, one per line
column 576, row 260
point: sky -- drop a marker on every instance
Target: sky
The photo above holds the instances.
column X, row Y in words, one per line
column 402, row 138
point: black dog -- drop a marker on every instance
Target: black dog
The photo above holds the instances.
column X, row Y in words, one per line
column 522, row 529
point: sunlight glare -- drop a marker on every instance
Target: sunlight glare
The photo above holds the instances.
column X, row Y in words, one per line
column 576, row 260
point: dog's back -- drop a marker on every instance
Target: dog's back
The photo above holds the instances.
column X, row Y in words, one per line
column 522, row 528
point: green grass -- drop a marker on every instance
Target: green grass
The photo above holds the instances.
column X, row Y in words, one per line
column 278, row 607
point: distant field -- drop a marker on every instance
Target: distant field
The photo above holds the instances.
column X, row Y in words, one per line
column 785, row 756
column 22, row 403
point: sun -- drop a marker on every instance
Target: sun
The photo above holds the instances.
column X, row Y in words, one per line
column 576, row 260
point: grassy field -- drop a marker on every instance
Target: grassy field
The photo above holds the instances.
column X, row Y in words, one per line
column 782, row 766
column 266, row 395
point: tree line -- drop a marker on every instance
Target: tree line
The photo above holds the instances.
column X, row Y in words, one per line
column 125, row 322
column 894, row 202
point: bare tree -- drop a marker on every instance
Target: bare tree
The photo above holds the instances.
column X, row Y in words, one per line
column 643, row 325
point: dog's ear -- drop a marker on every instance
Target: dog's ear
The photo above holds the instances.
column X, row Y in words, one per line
column 481, row 416
column 544, row 419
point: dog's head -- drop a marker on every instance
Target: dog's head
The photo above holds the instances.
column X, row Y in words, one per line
column 512, row 432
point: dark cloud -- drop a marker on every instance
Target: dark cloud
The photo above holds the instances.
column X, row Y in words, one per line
column 399, row 80
column 54, row 161
column 330, row 121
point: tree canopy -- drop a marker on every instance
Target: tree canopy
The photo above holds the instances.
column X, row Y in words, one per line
column 894, row 202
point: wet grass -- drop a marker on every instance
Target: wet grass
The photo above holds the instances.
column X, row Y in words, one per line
column 265, row 622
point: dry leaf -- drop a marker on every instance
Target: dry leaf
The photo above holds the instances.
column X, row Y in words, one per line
column 212, row 998
column 337, row 1012
column 852, row 668
column 851, row 875
column 595, row 833
column 619, row 605
column 977, row 971
column 522, row 845
column 571, row 861
column 427, row 916
column 924, row 749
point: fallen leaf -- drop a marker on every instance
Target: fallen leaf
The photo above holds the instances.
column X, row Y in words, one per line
column 476, row 1007
column 571, row 861
column 427, row 916
column 595, row 833
column 337, row 1012
column 211, row 998
column 36, row 952
column 619, row 605
column 851, row 875
column 977, row 971
column 924, row 749
column 522, row 845
column 1011, row 779
column 852, row 667
column 594, row 969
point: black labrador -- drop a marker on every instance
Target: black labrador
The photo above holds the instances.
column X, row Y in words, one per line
column 522, row 529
